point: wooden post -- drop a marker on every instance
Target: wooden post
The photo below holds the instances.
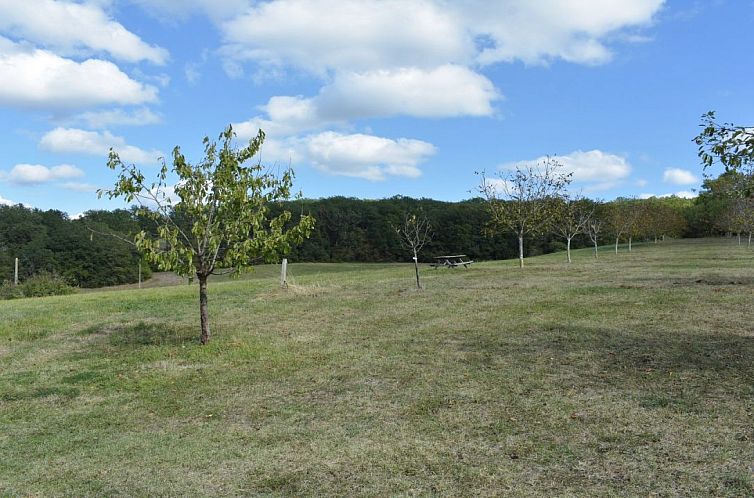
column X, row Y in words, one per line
column 15, row 274
column 283, row 274
column 139, row 274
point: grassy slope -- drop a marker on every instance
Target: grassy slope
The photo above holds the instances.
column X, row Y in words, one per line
column 628, row 376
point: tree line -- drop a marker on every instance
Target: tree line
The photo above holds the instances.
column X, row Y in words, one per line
column 49, row 242
column 90, row 251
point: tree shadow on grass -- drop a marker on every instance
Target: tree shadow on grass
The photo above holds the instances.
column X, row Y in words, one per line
column 145, row 333
column 649, row 358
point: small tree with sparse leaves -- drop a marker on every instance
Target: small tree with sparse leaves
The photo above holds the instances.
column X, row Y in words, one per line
column 524, row 200
column 574, row 215
column 216, row 218
column 415, row 233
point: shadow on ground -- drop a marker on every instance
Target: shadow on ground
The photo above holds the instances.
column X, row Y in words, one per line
column 144, row 333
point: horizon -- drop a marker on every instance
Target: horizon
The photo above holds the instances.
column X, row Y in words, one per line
column 615, row 91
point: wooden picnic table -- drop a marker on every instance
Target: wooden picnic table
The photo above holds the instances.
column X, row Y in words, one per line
column 451, row 261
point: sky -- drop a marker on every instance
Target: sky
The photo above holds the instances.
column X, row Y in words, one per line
column 369, row 98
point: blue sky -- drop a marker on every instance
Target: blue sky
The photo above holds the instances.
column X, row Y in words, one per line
column 369, row 98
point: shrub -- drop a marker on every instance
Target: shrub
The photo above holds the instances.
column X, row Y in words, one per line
column 10, row 291
column 42, row 284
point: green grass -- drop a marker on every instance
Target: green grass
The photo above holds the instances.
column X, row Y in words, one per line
column 629, row 376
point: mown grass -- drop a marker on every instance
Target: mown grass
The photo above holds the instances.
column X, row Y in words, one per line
column 628, row 376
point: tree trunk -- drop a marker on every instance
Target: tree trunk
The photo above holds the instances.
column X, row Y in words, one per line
column 203, row 314
column 655, row 239
column 629, row 243
column 749, row 245
column 739, row 238
column 569, row 249
column 520, row 251
column 595, row 249
column 617, row 240
column 416, row 268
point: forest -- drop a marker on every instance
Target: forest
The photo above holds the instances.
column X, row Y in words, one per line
column 94, row 250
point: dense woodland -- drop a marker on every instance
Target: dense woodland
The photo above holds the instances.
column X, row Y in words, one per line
column 94, row 251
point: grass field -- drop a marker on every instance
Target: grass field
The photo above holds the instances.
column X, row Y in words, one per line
column 630, row 376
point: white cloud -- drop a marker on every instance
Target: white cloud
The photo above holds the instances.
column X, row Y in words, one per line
column 361, row 35
column 537, row 32
column 34, row 78
column 35, row 174
column 6, row 202
column 76, row 141
column 356, row 35
column 119, row 117
column 677, row 176
column 356, row 155
column 446, row 91
column 68, row 28
column 597, row 169
column 683, row 194
column 365, row 156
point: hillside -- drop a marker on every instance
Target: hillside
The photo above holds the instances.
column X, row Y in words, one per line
column 630, row 375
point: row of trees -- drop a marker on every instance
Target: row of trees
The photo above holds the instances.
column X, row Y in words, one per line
column 97, row 249
column 533, row 201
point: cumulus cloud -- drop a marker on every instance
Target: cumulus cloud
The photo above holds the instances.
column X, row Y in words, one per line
column 683, row 194
column 76, row 141
column 366, row 156
column 538, row 32
column 595, row 169
column 69, row 28
column 358, row 35
column 677, row 176
column 446, row 91
column 35, row 78
column 35, row 174
column 356, row 155
column 6, row 202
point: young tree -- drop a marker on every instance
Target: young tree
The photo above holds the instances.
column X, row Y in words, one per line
column 414, row 234
column 624, row 217
column 219, row 221
column 596, row 225
column 573, row 218
column 593, row 229
column 524, row 200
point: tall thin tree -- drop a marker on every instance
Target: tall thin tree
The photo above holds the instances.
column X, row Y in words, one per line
column 415, row 233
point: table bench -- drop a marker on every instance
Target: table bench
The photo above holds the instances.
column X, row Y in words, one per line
column 451, row 261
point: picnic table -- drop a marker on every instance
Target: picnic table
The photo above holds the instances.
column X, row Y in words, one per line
column 451, row 261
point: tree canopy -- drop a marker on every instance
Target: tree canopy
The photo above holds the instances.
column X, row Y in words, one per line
column 216, row 217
